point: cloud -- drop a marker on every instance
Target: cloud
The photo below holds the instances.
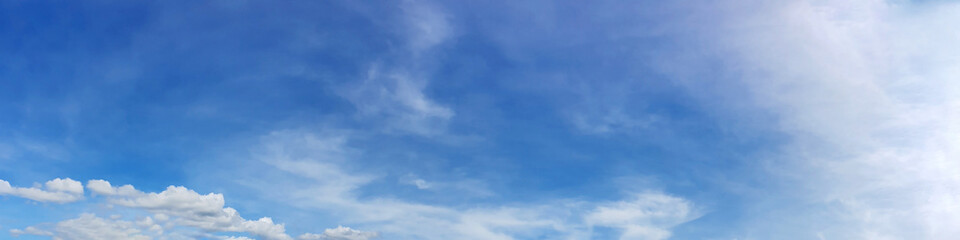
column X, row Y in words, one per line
column 866, row 93
column 56, row 190
column 206, row 212
column 426, row 25
column 465, row 187
column 398, row 99
column 394, row 92
column 236, row 238
column 611, row 121
column 104, row 188
column 340, row 233
column 89, row 226
column 646, row 216
column 174, row 210
column 65, row 185
column 30, row 231
column 323, row 185
column 411, row 179
column 20, row 147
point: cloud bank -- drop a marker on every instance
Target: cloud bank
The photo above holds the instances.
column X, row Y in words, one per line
column 316, row 179
column 176, row 213
column 181, row 213
column 865, row 92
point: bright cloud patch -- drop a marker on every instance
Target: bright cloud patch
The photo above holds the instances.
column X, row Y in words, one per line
column 325, row 186
column 868, row 95
column 177, row 210
column 173, row 210
column 647, row 216
column 480, row 120
column 339, row 233
column 89, row 226
column 56, row 190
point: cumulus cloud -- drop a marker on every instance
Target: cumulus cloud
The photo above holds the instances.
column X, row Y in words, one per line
column 57, row 190
column 174, row 209
column 103, row 187
column 203, row 211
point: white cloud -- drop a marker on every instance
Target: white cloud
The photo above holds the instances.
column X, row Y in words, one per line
column 327, row 187
column 90, row 227
column 465, row 187
column 236, row 238
column 866, row 90
column 398, row 99
column 181, row 213
column 427, row 26
column 175, row 209
column 206, row 212
column 411, row 179
column 340, row 233
column 56, row 190
column 65, row 185
column 395, row 94
column 647, row 216
column 30, row 231
column 104, row 188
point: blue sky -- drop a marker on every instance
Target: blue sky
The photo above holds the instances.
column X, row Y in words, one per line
column 794, row 119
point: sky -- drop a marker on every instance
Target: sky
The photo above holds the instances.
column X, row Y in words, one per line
column 417, row 119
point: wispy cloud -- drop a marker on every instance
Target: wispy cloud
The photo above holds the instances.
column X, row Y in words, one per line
column 327, row 187
column 394, row 91
column 397, row 98
column 426, row 25
column 339, row 233
column 866, row 93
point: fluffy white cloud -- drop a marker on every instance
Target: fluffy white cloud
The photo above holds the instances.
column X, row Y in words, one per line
column 65, row 185
column 206, row 212
column 174, row 210
column 104, row 188
column 57, row 190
